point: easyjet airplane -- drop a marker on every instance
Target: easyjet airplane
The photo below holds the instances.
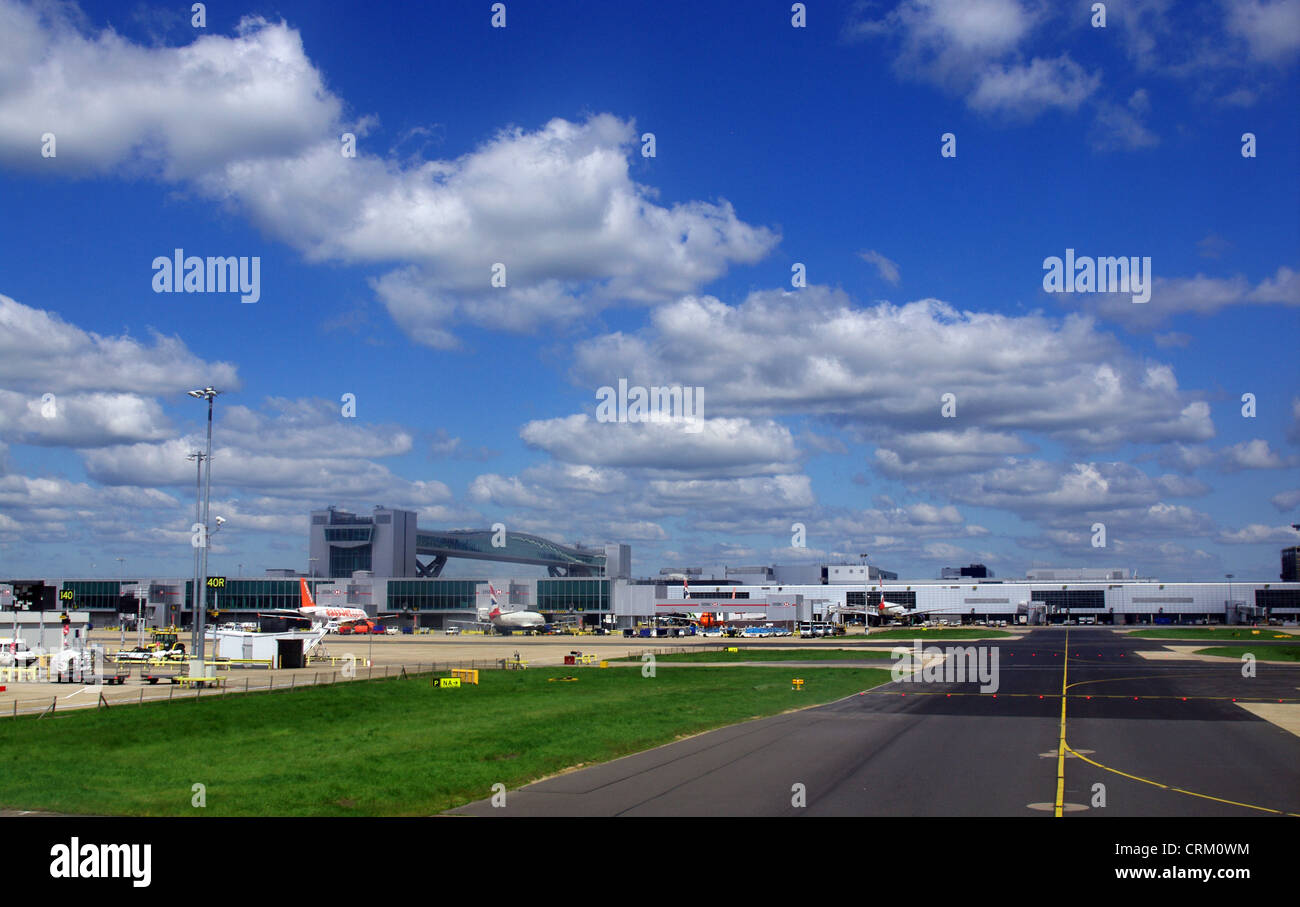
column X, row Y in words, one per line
column 329, row 615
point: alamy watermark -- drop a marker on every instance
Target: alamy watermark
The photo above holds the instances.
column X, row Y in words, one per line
column 1108, row 274
column 75, row 860
column 952, row 664
column 651, row 404
column 46, row 665
column 214, row 274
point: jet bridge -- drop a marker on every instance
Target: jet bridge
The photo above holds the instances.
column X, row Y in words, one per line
column 515, row 548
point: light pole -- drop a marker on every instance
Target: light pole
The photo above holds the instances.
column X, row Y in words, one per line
column 866, row 595
column 1228, row 576
column 209, row 394
column 122, row 622
column 140, row 596
column 198, row 457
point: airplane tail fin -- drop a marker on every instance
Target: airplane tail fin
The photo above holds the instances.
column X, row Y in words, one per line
column 307, row 601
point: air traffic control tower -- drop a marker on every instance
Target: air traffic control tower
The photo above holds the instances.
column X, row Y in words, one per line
column 389, row 544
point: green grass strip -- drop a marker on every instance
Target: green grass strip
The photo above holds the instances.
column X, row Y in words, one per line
column 391, row 747
column 1248, row 633
column 925, row 634
column 768, row 654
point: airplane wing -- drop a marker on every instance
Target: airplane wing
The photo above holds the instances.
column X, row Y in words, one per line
column 285, row 614
column 888, row 605
column 907, row 610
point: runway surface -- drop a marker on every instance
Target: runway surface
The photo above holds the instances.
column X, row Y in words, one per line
column 1163, row 738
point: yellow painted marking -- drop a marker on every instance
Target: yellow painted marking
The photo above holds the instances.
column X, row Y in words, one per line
column 1060, row 759
column 1080, row 683
column 1179, row 790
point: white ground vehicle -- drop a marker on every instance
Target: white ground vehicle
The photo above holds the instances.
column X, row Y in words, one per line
column 15, row 654
column 75, row 665
column 175, row 655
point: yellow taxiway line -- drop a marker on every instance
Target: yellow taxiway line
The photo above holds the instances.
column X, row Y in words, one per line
column 1177, row 790
column 1060, row 749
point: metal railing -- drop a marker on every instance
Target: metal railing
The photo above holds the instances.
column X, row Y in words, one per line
column 262, row 683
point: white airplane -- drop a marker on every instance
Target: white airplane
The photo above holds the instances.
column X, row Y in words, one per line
column 505, row 621
column 892, row 609
column 328, row 616
column 883, row 610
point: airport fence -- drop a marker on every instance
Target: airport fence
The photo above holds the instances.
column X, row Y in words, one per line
column 269, row 681
column 710, row 647
column 103, row 696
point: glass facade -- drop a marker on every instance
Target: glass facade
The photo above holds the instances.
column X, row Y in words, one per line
column 343, row 518
column 99, row 595
column 1277, row 598
column 253, row 594
column 431, row 595
column 438, row 541
column 350, row 534
column 572, row 595
column 343, row 561
column 872, row 599
column 1064, row 600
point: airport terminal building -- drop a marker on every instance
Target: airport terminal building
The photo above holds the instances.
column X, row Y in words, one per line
column 387, row 543
column 385, row 563
column 622, row 602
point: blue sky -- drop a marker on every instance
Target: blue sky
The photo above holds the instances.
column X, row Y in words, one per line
column 775, row 145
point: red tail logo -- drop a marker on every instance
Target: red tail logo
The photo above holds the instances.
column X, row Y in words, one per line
column 307, row 601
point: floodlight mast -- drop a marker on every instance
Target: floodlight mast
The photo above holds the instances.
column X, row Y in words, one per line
column 209, row 394
column 198, row 456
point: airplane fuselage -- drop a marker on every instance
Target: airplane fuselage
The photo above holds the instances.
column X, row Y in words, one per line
column 323, row 614
column 517, row 620
column 330, row 616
